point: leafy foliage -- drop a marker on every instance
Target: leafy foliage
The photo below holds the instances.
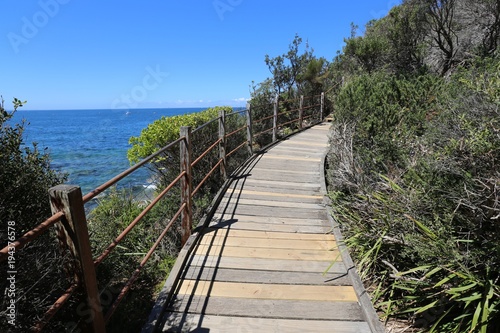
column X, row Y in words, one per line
column 165, row 130
column 413, row 163
column 414, row 174
column 112, row 215
column 25, row 177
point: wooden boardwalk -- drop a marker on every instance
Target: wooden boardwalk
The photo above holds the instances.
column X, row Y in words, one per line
column 268, row 262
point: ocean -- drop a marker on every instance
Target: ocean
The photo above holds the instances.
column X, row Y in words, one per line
column 91, row 145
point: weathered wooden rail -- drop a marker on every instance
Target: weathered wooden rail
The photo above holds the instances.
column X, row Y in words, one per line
column 69, row 219
column 266, row 260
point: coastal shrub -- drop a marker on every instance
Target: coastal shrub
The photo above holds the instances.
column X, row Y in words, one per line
column 386, row 114
column 166, row 167
column 421, row 218
column 165, row 130
column 112, row 215
column 25, row 177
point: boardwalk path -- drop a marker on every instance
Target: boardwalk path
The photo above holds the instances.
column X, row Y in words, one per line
column 262, row 266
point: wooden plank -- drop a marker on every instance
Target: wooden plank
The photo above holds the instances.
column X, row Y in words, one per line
column 227, row 324
column 311, row 199
column 272, row 235
column 292, row 158
column 287, row 212
column 267, row 253
column 286, row 170
column 272, row 183
column 279, row 189
column 238, row 217
column 310, row 144
column 298, row 150
column 284, row 162
column 303, row 153
column 268, row 291
column 263, row 308
column 268, row 264
column 266, row 277
column 314, row 229
column 274, row 203
column 272, row 208
column 280, row 195
column 294, row 244
column 283, row 177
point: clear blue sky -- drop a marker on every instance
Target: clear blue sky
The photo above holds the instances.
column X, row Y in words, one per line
column 76, row 54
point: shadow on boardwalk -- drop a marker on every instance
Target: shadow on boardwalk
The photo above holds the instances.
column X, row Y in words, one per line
column 268, row 261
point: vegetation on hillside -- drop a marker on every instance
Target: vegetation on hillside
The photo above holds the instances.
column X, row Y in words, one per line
column 25, row 176
column 413, row 165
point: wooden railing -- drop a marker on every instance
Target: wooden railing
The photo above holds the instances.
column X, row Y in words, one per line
column 67, row 203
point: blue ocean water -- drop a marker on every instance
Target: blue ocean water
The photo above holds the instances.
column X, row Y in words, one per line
column 91, row 145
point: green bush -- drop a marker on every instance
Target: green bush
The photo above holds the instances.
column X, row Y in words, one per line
column 387, row 113
column 419, row 202
column 25, row 178
column 112, row 215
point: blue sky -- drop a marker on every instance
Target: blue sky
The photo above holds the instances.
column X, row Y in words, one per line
column 75, row 54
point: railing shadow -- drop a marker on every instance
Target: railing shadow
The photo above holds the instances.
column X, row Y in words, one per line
column 207, row 273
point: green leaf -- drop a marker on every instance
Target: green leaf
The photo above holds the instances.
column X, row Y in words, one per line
column 445, row 280
column 413, row 270
column 475, row 317
column 427, row 307
column 472, row 298
column 432, row 272
column 461, row 289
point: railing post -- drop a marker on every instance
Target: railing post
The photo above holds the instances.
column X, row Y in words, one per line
column 186, row 184
column 322, row 106
column 249, row 129
column 275, row 119
column 73, row 235
column 301, row 111
column 222, row 144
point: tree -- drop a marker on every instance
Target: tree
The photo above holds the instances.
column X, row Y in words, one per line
column 487, row 17
column 369, row 51
column 289, row 71
column 444, row 31
column 406, row 34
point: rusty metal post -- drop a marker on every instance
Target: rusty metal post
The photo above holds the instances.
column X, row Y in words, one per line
column 249, row 129
column 301, row 112
column 275, row 119
column 186, row 184
column 222, row 144
column 73, row 236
